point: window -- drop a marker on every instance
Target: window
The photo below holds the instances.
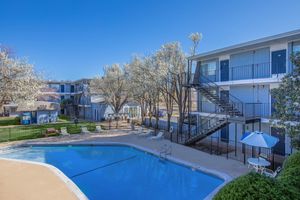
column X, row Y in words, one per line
column 72, row 88
column 62, row 97
column 62, row 88
column 296, row 47
column 209, row 68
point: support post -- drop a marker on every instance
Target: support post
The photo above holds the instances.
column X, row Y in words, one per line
column 235, row 139
column 244, row 148
column 189, row 97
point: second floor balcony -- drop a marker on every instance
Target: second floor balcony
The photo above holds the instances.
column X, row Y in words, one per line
column 243, row 72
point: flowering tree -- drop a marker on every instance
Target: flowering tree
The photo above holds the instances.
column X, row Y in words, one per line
column 113, row 86
column 173, row 60
column 19, row 82
column 287, row 102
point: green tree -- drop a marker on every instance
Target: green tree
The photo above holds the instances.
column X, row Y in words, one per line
column 287, row 102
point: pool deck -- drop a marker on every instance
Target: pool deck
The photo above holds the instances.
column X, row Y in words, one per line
column 24, row 181
column 54, row 185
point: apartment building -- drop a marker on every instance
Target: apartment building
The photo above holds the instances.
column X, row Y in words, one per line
column 236, row 82
column 76, row 91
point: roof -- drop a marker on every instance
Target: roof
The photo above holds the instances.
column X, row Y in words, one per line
column 38, row 105
column 283, row 37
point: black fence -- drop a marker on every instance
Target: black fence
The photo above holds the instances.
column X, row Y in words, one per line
column 238, row 151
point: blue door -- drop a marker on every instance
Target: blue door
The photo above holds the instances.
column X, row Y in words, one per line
column 279, row 62
column 225, row 134
column 224, row 70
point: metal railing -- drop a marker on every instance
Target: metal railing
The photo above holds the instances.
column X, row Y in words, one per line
column 214, row 89
column 250, row 109
column 242, row 72
column 252, row 71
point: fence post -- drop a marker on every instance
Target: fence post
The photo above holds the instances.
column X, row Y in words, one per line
column 227, row 149
column 218, row 145
column 244, row 150
column 9, row 134
column 210, row 145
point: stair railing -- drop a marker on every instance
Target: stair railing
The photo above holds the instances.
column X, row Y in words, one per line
column 237, row 104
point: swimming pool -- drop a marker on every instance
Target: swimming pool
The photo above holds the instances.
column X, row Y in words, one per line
column 112, row 172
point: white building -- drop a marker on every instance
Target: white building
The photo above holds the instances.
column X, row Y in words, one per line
column 236, row 81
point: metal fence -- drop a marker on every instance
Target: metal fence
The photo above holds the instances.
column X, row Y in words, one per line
column 237, row 151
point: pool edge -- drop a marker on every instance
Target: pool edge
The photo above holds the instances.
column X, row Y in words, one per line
column 215, row 173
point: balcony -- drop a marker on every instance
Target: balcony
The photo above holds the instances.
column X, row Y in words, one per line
column 252, row 71
column 243, row 72
column 250, row 110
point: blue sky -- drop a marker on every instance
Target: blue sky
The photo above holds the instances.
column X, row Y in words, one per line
column 72, row 39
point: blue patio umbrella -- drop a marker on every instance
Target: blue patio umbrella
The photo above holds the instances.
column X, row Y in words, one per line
column 259, row 139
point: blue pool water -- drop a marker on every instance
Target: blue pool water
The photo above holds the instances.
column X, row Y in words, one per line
column 121, row 172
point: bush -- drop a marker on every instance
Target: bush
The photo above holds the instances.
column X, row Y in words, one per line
column 290, row 176
column 251, row 186
column 9, row 121
column 256, row 186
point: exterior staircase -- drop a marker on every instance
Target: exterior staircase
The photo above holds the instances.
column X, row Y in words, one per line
column 228, row 105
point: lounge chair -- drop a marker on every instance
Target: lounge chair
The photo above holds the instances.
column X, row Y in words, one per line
column 85, row 130
column 63, row 131
column 148, row 133
column 98, row 129
column 158, row 136
column 270, row 173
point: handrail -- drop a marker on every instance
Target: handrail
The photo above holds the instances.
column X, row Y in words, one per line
column 231, row 98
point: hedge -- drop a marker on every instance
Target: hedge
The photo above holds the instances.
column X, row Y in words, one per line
column 255, row 186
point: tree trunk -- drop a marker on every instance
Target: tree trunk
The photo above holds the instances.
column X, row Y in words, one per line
column 169, row 122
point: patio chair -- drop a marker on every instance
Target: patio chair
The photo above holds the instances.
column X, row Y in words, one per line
column 64, row 132
column 84, row 130
column 158, row 136
column 148, row 133
column 98, row 129
column 270, row 173
column 263, row 156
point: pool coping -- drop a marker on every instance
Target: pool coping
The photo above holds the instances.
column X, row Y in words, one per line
column 71, row 185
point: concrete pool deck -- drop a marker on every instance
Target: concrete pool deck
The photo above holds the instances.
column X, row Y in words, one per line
column 20, row 180
column 186, row 154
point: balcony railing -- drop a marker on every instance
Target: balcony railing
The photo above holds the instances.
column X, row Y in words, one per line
column 250, row 109
column 252, row 71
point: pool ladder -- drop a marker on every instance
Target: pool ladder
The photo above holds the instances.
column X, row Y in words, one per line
column 164, row 151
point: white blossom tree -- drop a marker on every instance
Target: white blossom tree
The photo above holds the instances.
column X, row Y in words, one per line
column 113, row 86
column 19, row 82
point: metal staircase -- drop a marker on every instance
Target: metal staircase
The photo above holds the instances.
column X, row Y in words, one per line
column 229, row 106
column 211, row 124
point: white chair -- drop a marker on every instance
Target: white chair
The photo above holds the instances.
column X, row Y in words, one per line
column 158, row 136
column 64, row 132
column 98, row 129
column 148, row 133
column 84, row 130
column 270, row 173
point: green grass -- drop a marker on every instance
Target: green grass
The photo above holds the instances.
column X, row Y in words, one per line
column 255, row 186
column 38, row 131
column 8, row 121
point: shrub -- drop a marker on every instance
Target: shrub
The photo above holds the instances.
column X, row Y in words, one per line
column 290, row 176
column 251, row 186
column 256, row 186
column 8, row 121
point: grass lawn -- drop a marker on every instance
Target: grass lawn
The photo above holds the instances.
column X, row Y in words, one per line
column 37, row 131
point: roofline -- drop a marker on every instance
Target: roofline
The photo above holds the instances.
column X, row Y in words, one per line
column 243, row 45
